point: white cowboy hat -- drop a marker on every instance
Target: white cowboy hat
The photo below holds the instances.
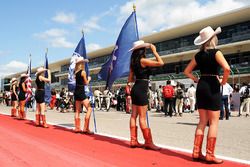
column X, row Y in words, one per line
column 81, row 60
column 40, row 70
column 13, row 80
column 139, row 44
column 24, row 75
column 206, row 34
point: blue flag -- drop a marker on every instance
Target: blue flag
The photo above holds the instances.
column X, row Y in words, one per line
column 118, row 64
column 80, row 51
column 47, row 86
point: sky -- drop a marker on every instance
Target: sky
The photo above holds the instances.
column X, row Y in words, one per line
column 29, row 26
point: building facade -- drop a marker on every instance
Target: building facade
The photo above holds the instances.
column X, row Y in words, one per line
column 176, row 48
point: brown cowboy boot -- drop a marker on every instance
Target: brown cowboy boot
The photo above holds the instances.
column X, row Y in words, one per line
column 148, row 140
column 38, row 121
column 77, row 125
column 133, row 136
column 20, row 114
column 86, row 127
column 197, row 153
column 44, row 121
column 12, row 112
column 23, row 114
column 210, row 158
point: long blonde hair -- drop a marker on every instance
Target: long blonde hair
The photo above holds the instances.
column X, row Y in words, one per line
column 211, row 43
column 79, row 66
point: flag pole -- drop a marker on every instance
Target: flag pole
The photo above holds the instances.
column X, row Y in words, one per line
column 28, row 96
column 91, row 102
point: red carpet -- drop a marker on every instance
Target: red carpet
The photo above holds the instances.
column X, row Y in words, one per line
column 24, row 145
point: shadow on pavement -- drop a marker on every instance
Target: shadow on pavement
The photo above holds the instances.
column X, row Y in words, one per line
column 187, row 123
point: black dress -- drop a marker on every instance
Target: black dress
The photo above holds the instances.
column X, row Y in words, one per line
column 13, row 96
column 208, row 89
column 21, row 95
column 139, row 92
column 79, row 93
column 40, row 93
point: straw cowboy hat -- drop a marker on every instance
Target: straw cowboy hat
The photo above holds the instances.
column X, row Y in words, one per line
column 206, row 34
column 139, row 44
column 81, row 60
column 24, row 75
column 40, row 70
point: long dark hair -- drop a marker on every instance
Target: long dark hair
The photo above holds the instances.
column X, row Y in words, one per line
column 22, row 79
column 136, row 56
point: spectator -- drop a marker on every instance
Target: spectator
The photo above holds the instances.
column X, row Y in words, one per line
column 244, row 91
column 53, row 99
column 128, row 97
column 191, row 95
column 107, row 97
column 159, row 98
column 179, row 94
column 168, row 94
column 98, row 101
column 227, row 90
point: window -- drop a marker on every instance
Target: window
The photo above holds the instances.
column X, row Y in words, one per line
column 53, row 77
column 64, row 81
column 65, row 67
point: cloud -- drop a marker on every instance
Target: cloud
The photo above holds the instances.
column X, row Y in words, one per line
column 54, row 32
column 12, row 67
column 66, row 18
column 55, row 37
column 160, row 14
column 92, row 47
column 93, row 23
column 61, row 42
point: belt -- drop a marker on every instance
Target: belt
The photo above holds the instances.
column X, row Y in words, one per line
column 209, row 75
column 80, row 85
column 141, row 79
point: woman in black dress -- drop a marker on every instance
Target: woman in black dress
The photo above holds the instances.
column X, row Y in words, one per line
column 39, row 96
column 139, row 72
column 208, row 60
column 14, row 96
column 21, row 96
column 80, row 96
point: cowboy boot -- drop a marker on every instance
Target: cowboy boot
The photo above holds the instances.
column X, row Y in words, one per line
column 38, row 122
column 77, row 125
column 86, row 127
column 19, row 114
column 12, row 112
column 197, row 153
column 133, row 135
column 44, row 121
column 23, row 114
column 148, row 140
column 210, row 158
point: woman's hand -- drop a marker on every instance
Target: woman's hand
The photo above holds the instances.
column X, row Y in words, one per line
column 153, row 48
column 89, row 78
